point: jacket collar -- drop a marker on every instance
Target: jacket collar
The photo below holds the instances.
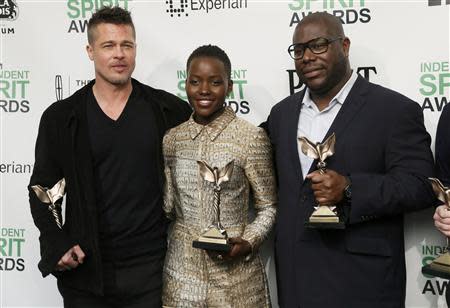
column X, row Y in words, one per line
column 79, row 99
column 354, row 101
column 214, row 128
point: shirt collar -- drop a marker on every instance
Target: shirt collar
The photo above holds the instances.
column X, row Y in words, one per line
column 339, row 98
column 214, row 128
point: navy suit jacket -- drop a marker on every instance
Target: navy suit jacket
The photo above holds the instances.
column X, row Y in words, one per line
column 382, row 144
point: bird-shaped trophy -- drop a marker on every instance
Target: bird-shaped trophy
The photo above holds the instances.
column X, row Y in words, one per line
column 324, row 216
column 50, row 196
column 215, row 237
column 440, row 267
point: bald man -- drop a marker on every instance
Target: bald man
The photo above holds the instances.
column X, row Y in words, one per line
column 378, row 172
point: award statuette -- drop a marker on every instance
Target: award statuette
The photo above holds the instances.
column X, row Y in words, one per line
column 50, row 197
column 440, row 267
column 215, row 237
column 324, row 216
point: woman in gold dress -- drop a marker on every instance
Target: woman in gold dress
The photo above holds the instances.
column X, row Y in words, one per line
column 199, row 278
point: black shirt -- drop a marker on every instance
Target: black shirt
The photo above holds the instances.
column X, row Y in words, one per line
column 129, row 200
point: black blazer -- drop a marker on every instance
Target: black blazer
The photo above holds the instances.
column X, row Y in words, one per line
column 63, row 150
column 382, row 144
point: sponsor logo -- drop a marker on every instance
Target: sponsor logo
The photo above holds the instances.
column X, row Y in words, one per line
column 65, row 86
column 15, row 168
column 8, row 10
column 434, row 85
column 14, row 84
column 79, row 12
column 296, row 85
column 58, row 87
column 348, row 11
column 433, row 286
column 182, row 8
column 237, row 98
column 11, row 249
column 177, row 11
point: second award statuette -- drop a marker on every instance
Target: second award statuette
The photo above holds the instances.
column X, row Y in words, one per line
column 324, row 216
column 440, row 267
column 215, row 237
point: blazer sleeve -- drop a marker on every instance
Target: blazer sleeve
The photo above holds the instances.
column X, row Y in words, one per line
column 260, row 174
column 408, row 162
column 54, row 242
column 442, row 149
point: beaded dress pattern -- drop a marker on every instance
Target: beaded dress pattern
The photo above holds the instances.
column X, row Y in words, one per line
column 191, row 277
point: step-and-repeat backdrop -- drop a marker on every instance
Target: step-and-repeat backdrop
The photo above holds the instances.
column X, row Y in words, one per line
column 401, row 44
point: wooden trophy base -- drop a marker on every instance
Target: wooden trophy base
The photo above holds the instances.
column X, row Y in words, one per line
column 324, row 218
column 212, row 239
column 440, row 267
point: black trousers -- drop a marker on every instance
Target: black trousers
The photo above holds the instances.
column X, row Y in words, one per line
column 132, row 283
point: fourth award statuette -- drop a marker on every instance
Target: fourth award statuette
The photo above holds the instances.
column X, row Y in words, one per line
column 440, row 267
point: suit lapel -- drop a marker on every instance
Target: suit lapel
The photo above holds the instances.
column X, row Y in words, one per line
column 292, row 126
column 354, row 101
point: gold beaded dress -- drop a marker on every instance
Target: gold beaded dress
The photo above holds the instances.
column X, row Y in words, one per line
column 191, row 277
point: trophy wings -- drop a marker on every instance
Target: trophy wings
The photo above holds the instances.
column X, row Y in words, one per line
column 223, row 175
column 318, row 150
column 442, row 192
column 326, row 149
column 50, row 195
column 308, row 148
column 206, row 171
